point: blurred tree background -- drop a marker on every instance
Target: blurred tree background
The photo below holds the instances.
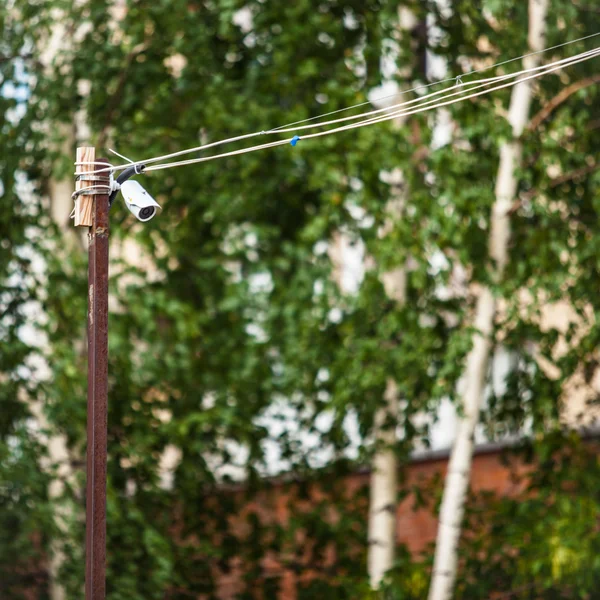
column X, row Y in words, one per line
column 231, row 322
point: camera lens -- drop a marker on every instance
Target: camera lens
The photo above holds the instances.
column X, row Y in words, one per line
column 147, row 212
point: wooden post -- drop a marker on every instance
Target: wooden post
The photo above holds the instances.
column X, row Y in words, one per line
column 84, row 204
column 96, row 211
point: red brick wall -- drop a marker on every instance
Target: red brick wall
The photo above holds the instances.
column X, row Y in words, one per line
column 416, row 527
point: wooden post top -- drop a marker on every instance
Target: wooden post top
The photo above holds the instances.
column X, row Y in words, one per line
column 84, row 203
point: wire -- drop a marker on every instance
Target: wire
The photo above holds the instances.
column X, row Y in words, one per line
column 423, row 100
column 90, row 188
column 131, row 162
column 425, row 86
column 547, row 69
column 477, row 83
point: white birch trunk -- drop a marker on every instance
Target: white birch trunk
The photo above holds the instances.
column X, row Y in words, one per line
column 459, row 468
column 384, row 467
column 382, row 502
column 58, row 454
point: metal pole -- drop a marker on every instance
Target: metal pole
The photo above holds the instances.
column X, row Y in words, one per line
column 95, row 569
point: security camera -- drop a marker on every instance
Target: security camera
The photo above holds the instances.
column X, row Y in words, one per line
column 139, row 202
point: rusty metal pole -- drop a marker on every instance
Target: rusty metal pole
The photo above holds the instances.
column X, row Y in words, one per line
column 95, row 570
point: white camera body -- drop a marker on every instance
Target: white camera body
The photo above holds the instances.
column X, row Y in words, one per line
column 139, row 202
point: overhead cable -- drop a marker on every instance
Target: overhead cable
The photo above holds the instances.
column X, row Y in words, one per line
column 461, row 91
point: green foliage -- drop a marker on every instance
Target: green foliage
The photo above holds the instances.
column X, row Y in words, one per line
column 25, row 518
column 543, row 543
column 232, row 310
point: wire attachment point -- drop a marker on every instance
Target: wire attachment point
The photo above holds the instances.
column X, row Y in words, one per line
column 121, row 156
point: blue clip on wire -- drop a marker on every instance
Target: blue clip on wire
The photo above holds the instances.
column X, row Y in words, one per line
column 294, row 140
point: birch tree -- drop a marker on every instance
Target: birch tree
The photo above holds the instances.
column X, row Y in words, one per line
column 459, row 468
column 383, row 487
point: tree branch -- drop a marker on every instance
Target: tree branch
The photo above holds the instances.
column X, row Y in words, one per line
column 573, row 175
column 561, row 97
column 570, row 176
